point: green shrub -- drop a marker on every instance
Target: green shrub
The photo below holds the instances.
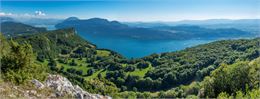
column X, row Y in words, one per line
column 18, row 65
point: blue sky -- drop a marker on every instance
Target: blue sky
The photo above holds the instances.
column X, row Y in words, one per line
column 135, row 10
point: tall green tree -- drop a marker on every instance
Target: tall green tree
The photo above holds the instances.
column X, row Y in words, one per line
column 18, row 64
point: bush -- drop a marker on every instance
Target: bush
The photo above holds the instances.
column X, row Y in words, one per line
column 73, row 63
column 229, row 79
column 90, row 71
column 130, row 68
column 143, row 65
column 18, row 65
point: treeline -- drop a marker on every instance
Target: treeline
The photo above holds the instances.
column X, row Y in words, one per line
column 182, row 67
column 195, row 63
column 238, row 80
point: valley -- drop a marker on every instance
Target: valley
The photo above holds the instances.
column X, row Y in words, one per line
column 106, row 72
column 130, row 49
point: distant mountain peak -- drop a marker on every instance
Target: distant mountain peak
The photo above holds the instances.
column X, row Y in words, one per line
column 92, row 22
column 71, row 19
column 97, row 19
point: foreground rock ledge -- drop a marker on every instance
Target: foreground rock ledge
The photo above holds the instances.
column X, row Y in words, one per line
column 63, row 87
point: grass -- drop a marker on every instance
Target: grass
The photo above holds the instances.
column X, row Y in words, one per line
column 140, row 72
column 103, row 73
column 94, row 75
column 103, row 53
column 82, row 65
column 45, row 62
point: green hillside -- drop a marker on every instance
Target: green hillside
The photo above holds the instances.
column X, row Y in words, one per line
column 12, row 29
column 238, row 80
column 106, row 72
column 54, row 43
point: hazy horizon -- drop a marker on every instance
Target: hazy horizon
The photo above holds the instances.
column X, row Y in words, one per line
column 152, row 21
column 134, row 11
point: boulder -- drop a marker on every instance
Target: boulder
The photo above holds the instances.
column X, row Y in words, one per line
column 61, row 84
column 63, row 87
column 38, row 84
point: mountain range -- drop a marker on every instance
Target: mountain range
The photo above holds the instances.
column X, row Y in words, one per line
column 103, row 27
column 195, row 22
column 248, row 25
column 214, row 28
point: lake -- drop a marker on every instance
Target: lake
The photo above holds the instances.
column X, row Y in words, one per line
column 132, row 48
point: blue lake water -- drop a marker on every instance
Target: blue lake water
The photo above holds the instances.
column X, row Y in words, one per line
column 132, row 48
column 48, row 27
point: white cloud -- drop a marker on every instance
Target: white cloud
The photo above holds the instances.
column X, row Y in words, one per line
column 27, row 15
column 5, row 14
column 39, row 13
column 36, row 14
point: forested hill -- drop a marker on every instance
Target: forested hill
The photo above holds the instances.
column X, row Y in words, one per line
column 52, row 44
column 106, row 72
column 17, row 29
column 197, row 62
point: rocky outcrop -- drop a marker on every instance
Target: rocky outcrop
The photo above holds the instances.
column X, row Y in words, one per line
column 38, row 84
column 63, row 87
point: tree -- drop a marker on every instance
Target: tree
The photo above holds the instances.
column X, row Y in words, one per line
column 230, row 79
column 62, row 69
column 18, row 65
column 142, row 65
column 4, row 46
column 65, row 51
column 120, row 81
column 135, row 89
column 80, row 50
column 168, row 79
column 99, row 75
column 79, row 72
column 123, row 88
column 130, row 68
column 90, row 71
column 20, row 56
column 52, row 63
column 73, row 63
column 40, row 58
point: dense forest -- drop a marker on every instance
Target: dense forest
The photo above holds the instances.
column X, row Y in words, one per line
column 227, row 68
